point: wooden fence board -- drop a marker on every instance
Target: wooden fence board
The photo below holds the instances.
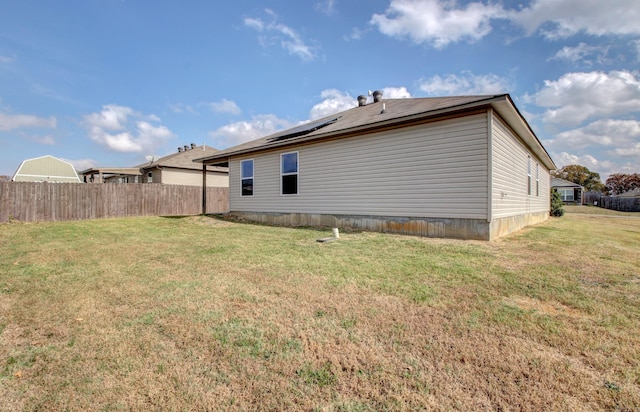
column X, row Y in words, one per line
column 41, row 201
column 622, row 204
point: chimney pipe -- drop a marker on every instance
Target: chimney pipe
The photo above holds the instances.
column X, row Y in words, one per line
column 362, row 100
column 377, row 96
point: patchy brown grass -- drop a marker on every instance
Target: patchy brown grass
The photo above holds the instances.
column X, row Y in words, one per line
column 204, row 314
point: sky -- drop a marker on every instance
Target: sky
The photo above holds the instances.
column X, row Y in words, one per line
column 106, row 83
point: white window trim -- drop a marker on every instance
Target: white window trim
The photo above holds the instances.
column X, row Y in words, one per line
column 564, row 192
column 252, row 177
column 297, row 173
column 537, row 179
column 529, row 175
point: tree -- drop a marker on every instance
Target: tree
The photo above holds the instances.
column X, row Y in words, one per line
column 5, row 178
column 557, row 206
column 619, row 183
column 582, row 176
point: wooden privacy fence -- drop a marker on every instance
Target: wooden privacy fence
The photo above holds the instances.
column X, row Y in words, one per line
column 36, row 201
column 623, row 204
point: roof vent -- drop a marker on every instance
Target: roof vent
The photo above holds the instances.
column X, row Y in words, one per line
column 377, row 96
column 186, row 147
column 180, row 149
column 362, row 100
column 193, row 146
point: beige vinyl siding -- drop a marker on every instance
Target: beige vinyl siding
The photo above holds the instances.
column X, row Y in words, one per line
column 433, row 170
column 46, row 168
column 509, row 175
column 192, row 178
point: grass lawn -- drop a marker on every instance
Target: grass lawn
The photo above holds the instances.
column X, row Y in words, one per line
column 199, row 314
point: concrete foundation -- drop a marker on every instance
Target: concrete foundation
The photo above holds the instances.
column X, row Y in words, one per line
column 506, row 225
column 475, row 229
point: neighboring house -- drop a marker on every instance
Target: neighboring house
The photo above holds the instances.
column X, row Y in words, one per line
column 46, row 169
column 111, row 174
column 465, row 167
column 569, row 191
column 634, row 193
column 175, row 169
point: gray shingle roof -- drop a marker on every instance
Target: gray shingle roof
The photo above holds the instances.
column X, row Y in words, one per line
column 557, row 182
column 397, row 112
column 184, row 159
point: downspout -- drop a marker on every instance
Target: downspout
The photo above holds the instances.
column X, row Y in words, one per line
column 489, row 165
column 204, row 189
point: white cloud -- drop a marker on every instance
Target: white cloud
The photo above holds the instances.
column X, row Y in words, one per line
column 632, row 150
column 6, row 59
column 356, row 34
column 182, row 108
column 121, row 129
column 82, row 164
column 288, row 38
column 334, row 101
column 436, row 22
column 606, row 132
column 441, row 22
column 240, row 132
column 582, row 53
column 564, row 159
column 10, row 121
column 576, row 97
column 466, row 83
column 395, row 93
column 560, row 19
column 325, row 6
column 226, row 106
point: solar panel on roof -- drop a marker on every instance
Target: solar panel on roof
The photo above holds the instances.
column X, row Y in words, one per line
column 304, row 129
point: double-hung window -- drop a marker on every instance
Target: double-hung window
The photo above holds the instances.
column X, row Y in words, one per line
column 246, row 176
column 529, row 175
column 289, row 173
column 537, row 179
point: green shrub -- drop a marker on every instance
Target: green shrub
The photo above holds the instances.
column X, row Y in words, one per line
column 557, row 206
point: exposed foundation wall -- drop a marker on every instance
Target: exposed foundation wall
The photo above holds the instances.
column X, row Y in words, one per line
column 504, row 226
column 470, row 229
column 429, row 227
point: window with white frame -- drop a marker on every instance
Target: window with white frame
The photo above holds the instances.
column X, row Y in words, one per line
column 246, row 177
column 289, row 173
column 566, row 194
column 529, row 175
column 537, row 179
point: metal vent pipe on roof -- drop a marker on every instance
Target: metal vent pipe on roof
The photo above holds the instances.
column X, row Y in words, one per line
column 193, row 146
column 180, row 149
column 377, row 96
column 362, row 100
column 186, row 147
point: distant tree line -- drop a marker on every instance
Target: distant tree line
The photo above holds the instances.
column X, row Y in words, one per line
column 619, row 183
column 616, row 183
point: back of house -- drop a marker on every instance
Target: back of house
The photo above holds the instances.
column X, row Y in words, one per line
column 459, row 167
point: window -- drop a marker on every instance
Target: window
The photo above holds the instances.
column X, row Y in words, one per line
column 289, row 172
column 566, row 194
column 537, row 180
column 150, row 177
column 529, row 175
column 246, row 175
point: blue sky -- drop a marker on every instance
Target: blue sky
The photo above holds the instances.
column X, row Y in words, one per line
column 108, row 82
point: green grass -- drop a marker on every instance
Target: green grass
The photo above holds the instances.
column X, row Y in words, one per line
column 198, row 313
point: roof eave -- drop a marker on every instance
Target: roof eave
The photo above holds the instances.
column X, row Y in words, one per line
column 509, row 112
column 224, row 157
column 501, row 103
